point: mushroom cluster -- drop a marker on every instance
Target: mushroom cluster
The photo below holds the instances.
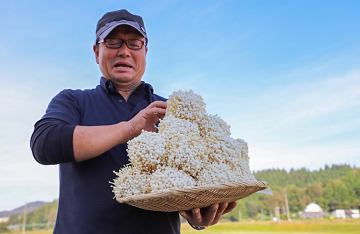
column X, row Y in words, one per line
column 191, row 148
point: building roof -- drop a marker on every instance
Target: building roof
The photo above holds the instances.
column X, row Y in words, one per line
column 312, row 207
column 349, row 212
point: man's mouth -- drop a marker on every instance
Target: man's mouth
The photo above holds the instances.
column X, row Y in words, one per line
column 122, row 65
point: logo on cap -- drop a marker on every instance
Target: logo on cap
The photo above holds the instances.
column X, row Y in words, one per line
column 143, row 29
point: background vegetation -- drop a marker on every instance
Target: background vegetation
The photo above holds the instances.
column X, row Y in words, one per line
column 335, row 187
column 293, row 227
column 42, row 218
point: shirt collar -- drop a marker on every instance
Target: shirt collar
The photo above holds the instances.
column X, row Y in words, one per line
column 109, row 86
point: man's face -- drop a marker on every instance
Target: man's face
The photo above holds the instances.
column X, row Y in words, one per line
column 124, row 66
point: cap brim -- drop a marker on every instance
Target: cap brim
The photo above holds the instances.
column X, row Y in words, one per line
column 106, row 29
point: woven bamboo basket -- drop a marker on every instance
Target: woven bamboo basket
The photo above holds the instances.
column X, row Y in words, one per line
column 198, row 196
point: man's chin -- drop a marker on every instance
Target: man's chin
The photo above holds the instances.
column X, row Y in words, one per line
column 125, row 80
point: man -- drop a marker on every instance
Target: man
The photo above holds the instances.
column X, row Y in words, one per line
column 85, row 132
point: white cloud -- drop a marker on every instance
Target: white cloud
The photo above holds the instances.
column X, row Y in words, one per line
column 21, row 177
column 302, row 125
column 281, row 155
column 323, row 98
column 19, row 167
column 305, row 107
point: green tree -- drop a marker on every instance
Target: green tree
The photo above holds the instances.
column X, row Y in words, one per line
column 13, row 219
column 4, row 228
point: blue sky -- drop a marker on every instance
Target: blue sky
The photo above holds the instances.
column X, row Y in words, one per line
column 284, row 74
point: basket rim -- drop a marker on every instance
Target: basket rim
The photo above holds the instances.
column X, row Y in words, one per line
column 194, row 189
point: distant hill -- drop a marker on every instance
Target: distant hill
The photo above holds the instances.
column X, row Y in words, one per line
column 20, row 210
column 44, row 214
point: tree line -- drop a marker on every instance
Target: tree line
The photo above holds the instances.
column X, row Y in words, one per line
column 334, row 187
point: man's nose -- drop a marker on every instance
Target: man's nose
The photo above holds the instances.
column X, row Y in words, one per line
column 124, row 51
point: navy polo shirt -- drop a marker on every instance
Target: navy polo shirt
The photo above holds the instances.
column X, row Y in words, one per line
column 86, row 200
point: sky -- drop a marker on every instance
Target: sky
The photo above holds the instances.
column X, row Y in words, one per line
column 285, row 75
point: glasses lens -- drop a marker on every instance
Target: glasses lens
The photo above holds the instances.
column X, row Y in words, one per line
column 113, row 43
column 134, row 44
column 117, row 43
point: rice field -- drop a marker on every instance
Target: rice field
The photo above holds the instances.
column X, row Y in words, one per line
column 286, row 227
column 258, row 227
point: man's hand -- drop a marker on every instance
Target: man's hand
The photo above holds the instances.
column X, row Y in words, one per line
column 207, row 216
column 92, row 141
column 147, row 118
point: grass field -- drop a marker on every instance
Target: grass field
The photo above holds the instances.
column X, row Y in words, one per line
column 293, row 227
column 257, row 227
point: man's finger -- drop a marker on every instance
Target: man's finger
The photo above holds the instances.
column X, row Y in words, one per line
column 158, row 104
column 222, row 207
column 157, row 111
column 184, row 214
column 196, row 215
column 219, row 213
column 230, row 207
column 210, row 214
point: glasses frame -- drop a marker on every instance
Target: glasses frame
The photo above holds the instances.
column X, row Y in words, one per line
column 102, row 40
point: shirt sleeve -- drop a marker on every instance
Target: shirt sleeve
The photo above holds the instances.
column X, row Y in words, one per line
column 52, row 139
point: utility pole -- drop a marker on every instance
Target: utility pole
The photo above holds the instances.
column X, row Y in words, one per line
column 24, row 221
column 287, row 208
column 277, row 214
column 239, row 216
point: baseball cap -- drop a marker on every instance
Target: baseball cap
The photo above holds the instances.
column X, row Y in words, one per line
column 115, row 18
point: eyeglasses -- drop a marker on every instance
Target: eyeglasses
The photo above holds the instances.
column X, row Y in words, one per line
column 116, row 43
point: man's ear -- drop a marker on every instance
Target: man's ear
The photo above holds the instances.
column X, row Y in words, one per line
column 146, row 49
column 96, row 51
